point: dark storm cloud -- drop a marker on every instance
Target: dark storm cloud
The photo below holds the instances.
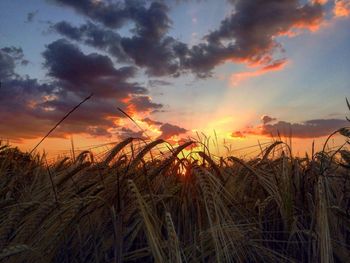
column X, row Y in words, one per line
column 83, row 74
column 95, row 112
column 248, row 35
column 152, row 21
column 147, row 48
column 68, row 30
column 96, row 36
column 17, row 97
column 93, row 73
column 26, row 86
column 150, row 47
column 168, row 130
column 158, row 58
column 29, row 108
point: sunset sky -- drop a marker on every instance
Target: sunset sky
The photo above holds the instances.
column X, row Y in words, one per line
column 247, row 69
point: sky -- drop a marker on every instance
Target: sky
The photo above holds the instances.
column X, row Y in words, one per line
column 242, row 71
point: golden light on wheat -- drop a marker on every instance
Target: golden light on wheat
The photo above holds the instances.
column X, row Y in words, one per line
column 153, row 202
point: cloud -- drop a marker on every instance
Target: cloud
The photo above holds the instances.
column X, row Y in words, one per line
column 152, row 21
column 84, row 74
column 166, row 130
column 7, row 65
column 237, row 78
column 248, row 35
column 70, row 31
column 147, row 48
column 35, row 107
column 141, row 104
column 18, row 95
column 157, row 57
column 237, row 134
column 14, row 54
column 151, row 122
column 125, row 133
column 341, row 8
column 113, row 15
column 157, row 83
column 169, row 130
column 308, row 129
column 95, row 36
column 267, row 119
column 31, row 16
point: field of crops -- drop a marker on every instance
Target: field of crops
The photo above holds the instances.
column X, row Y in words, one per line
column 142, row 202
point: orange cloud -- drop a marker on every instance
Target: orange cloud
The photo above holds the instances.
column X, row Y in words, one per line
column 342, row 8
column 237, row 134
column 140, row 104
column 237, row 78
column 313, row 27
column 321, row 2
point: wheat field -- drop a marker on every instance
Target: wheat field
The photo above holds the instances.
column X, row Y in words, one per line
column 147, row 202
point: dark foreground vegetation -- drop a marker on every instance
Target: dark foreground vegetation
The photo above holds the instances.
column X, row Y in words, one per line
column 148, row 204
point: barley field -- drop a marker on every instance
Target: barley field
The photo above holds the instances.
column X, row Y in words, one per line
column 149, row 202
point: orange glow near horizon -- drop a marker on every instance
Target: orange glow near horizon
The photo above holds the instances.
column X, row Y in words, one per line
column 226, row 144
column 224, row 128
